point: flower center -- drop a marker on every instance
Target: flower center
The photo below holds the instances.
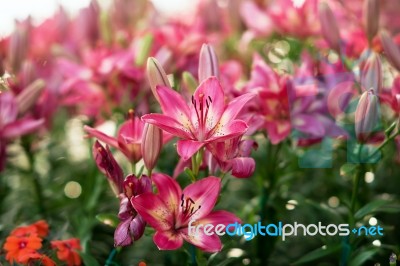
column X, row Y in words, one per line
column 22, row 245
column 202, row 113
column 188, row 206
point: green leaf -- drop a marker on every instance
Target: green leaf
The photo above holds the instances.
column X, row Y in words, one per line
column 144, row 50
column 88, row 259
column 347, row 169
column 108, row 219
column 318, row 253
column 189, row 172
column 371, row 207
column 190, row 82
column 362, row 257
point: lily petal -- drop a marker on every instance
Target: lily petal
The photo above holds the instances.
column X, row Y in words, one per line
column 173, row 105
column 204, row 193
column 121, row 234
column 21, row 127
column 153, row 211
column 243, row 167
column 101, row 136
column 226, row 131
column 168, row 124
column 308, row 124
column 218, row 217
column 210, row 243
column 168, row 190
column 167, row 240
column 278, row 131
column 209, row 93
column 8, row 108
column 235, row 106
column 187, row 148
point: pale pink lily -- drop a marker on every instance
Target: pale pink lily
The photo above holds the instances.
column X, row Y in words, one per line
column 170, row 211
column 206, row 120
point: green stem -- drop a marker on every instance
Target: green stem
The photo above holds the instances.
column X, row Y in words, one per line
column 383, row 145
column 193, row 255
column 265, row 244
column 133, row 165
column 111, row 256
column 35, row 181
column 197, row 159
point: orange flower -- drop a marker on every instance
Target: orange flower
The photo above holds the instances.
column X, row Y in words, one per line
column 20, row 249
column 42, row 259
column 40, row 228
column 67, row 251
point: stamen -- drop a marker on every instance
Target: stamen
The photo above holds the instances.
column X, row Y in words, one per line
column 188, row 206
column 210, row 99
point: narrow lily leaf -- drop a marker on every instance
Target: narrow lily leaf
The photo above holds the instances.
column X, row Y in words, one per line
column 189, row 172
column 88, row 259
column 189, row 81
column 371, row 207
column 317, row 254
column 347, row 169
column 108, row 219
column 363, row 257
column 144, row 50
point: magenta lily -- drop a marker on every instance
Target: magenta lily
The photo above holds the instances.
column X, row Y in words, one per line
column 132, row 225
column 129, row 137
column 234, row 155
column 206, row 120
column 11, row 126
column 170, row 211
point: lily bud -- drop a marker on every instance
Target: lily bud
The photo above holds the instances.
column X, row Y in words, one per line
column 391, row 50
column 152, row 141
column 156, row 75
column 371, row 18
column 208, row 64
column 367, row 115
column 329, row 28
column 27, row 74
column 18, row 47
column 29, row 96
column 371, row 75
column 108, row 166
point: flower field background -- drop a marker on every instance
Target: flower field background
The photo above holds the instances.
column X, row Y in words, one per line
column 121, row 126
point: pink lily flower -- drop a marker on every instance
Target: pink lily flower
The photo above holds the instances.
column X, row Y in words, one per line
column 132, row 225
column 170, row 211
column 234, row 155
column 128, row 139
column 206, row 120
column 12, row 127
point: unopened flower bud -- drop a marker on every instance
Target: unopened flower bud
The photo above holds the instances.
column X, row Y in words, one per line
column 156, row 75
column 29, row 96
column 27, row 74
column 391, row 50
column 329, row 28
column 18, row 47
column 152, row 141
column 208, row 64
column 371, row 75
column 371, row 18
column 367, row 115
column 108, row 166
